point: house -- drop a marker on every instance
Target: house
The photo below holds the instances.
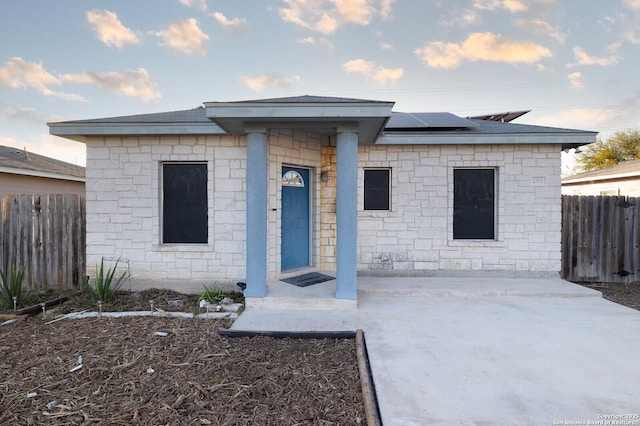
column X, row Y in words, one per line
column 23, row 172
column 621, row 179
column 253, row 190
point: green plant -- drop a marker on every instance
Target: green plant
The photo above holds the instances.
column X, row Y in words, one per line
column 106, row 285
column 213, row 294
column 11, row 286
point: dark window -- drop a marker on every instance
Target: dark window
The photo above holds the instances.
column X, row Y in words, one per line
column 473, row 204
column 184, row 205
column 377, row 189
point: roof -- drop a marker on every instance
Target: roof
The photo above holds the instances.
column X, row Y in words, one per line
column 305, row 99
column 505, row 117
column 195, row 115
column 427, row 120
column 488, row 132
column 14, row 160
column 628, row 169
column 377, row 123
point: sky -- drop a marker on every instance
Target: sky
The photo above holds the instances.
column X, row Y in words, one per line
column 573, row 63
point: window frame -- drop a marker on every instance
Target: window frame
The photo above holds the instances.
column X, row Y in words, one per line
column 494, row 207
column 388, row 170
column 163, row 214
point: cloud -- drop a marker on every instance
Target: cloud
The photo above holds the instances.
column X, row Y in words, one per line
column 385, row 46
column 135, row 83
column 576, row 81
column 9, row 113
column 480, row 47
column 326, row 16
column 264, row 81
column 386, row 8
column 356, row 11
column 372, row 71
column 309, row 14
column 539, row 26
column 320, row 42
column 109, row 29
column 578, row 118
column 510, row 5
column 202, row 4
column 583, row 58
column 633, row 4
column 235, row 24
column 17, row 73
column 460, row 20
column 186, row 37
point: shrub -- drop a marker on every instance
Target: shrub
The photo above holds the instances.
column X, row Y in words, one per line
column 106, row 285
column 212, row 294
column 11, row 286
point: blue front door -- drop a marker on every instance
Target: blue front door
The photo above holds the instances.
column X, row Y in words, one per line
column 295, row 218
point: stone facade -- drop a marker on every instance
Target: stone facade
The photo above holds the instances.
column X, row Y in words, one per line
column 124, row 206
column 417, row 233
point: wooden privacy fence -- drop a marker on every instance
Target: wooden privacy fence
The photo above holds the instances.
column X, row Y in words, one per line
column 46, row 235
column 600, row 239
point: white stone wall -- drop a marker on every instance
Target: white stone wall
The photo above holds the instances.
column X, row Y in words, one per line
column 417, row 234
column 124, row 205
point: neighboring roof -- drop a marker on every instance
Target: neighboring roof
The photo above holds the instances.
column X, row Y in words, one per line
column 505, row 117
column 18, row 161
column 628, row 169
column 377, row 123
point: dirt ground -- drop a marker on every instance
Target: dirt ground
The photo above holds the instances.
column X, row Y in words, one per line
column 170, row 371
column 132, row 373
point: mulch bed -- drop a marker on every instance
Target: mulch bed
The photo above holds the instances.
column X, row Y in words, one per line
column 130, row 375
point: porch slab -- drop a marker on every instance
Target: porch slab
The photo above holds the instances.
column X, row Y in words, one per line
column 516, row 352
column 281, row 295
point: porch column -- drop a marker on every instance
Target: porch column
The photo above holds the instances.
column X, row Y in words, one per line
column 256, row 213
column 346, row 212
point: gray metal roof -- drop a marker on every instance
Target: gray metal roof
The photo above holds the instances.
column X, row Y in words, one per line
column 427, row 120
column 626, row 169
column 306, row 99
column 500, row 127
column 14, row 158
column 505, row 117
column 321, row 111
column 195, row 115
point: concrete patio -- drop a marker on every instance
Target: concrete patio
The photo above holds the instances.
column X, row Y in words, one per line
column 480, row 351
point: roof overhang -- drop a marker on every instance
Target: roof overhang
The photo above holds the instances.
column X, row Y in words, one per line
column 39, row 174
column 567, row 140
column 603, row 178
column 80, row 131
column 321, row 117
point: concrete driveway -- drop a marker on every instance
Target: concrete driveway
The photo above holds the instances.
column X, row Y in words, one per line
column 462, row 351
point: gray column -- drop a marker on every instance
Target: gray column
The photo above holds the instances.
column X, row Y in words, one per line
column 347, row 214
column 256, row 214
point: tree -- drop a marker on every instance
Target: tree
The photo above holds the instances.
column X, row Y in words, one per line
column 620, row 147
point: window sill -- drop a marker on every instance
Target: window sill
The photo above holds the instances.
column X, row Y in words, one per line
column 475, row 243
column 192, row 247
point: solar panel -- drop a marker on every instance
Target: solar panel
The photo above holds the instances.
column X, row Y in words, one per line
column 420, row 120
